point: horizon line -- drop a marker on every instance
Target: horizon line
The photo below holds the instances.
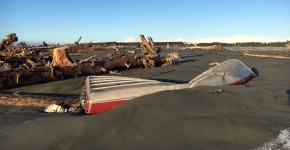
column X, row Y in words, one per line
column 233, row 39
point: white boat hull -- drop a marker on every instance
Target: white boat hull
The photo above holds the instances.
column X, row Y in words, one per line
column 103, row 93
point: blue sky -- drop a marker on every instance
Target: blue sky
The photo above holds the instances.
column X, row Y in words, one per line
column 63, row 21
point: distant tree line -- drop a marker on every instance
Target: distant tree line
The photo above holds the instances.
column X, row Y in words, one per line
column 238, row 44
column 248, row 44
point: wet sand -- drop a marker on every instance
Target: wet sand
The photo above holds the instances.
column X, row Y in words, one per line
column 240, row 117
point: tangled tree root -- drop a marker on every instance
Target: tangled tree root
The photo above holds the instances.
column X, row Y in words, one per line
column 171, row 59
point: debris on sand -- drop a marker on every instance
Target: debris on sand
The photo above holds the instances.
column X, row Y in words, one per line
column 246, row 53
column 115, row 72
column 132, row 52
column 147, row 47
column 218, row 91
column 62, row 109
column 288, row 45
column 127, row 66
column 26, row 65
column 213, row 63
column 115, row 55
column 171, row 59
column 217, row 48
column 40, row 101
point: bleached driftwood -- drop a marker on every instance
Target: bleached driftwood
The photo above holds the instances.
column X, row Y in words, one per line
column 213, row 63
column 115, row 72
column 147, row 47
column 127, row 66
column 85, row 60
column 172, row 58
column 132, row 52
column 36, row 101
column 288, row 45
column 266, row 56
column 217, row 48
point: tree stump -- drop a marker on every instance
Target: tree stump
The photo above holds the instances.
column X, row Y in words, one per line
column 61, row 57
column 147, row 47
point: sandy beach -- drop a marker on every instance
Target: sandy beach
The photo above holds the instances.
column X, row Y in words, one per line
column 240, row 117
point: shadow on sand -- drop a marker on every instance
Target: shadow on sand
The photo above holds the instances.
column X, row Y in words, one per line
column 255, row 71
column 171, row 81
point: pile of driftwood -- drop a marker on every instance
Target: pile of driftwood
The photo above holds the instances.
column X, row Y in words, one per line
column 89, row 47
column 7, row 48
column 33, row 68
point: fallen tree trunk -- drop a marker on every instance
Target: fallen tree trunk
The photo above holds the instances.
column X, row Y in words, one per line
column 2, row 53
column 217, row 48
column 39, row 101
column 266, row 56
column 19, row 60
column 28, row 70
column 16, row 78
column 10, row 79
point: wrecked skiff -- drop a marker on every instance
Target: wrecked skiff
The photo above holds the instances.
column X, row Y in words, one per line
column 103, row 93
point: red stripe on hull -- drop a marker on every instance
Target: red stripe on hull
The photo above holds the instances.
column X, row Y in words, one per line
column 243, row 81
column 97, row 108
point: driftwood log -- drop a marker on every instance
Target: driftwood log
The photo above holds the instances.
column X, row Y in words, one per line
column 22, row 77
column 36, row 100
column 147, row 47
column 25, row 66
column 266, row 56
column 9, row 79
column 217, row 48
column 77, row 42
column 7, row 43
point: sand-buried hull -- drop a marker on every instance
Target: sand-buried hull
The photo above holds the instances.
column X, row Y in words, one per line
column 103, row 93
column 230, row 72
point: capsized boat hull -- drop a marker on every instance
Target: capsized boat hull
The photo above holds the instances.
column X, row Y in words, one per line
column 103, row 93
column 230, row 72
